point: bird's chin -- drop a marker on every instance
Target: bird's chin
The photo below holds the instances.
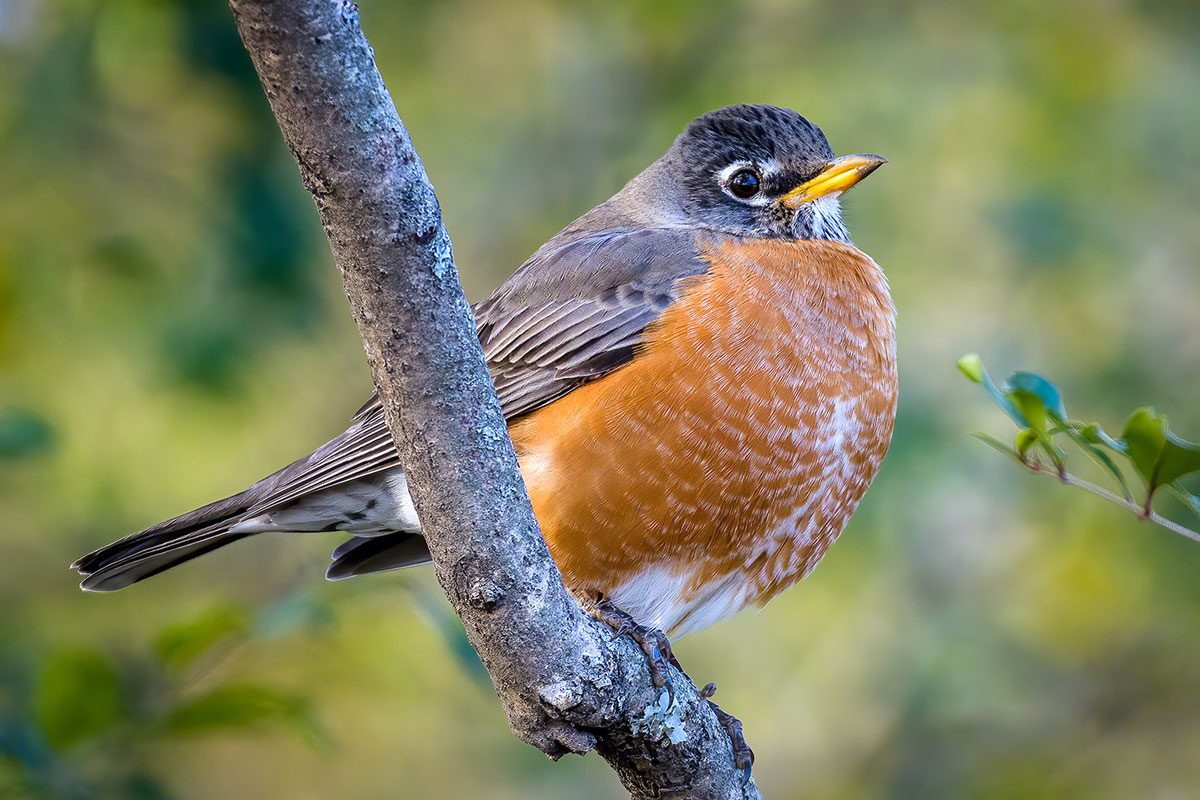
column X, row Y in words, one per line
column 820, row 219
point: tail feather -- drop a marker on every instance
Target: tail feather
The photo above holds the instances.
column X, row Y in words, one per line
column 166, row 544
column 227, row 511
column 117, row 574
column 350, row 483
column 353, row 482
column 365, row 554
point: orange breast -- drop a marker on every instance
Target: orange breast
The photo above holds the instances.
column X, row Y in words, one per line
column 716, row 468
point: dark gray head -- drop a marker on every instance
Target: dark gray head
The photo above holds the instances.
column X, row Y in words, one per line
column 754, row 170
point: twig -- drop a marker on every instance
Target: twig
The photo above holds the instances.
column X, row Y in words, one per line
column 1140, row 511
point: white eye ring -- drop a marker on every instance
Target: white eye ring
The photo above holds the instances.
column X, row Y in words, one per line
column 725, row 178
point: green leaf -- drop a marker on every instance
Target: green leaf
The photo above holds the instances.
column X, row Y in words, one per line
column 1160, row 456
column 1037, row 403
column 181, row 644
column 1028, row 398
column 1031, row 412
column 971, row 365
column 1145, row 436
column 1094, row 434
column 242, row 707
column 1089, row 446
column 1179, row 458
column 1025, row 439
column 1037, row 397
column 1190, row 500
column 78, row 696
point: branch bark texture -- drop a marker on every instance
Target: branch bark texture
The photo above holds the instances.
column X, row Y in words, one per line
column 567, row 683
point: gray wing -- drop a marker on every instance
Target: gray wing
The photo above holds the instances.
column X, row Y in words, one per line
column 577, row 310
column 574, row 312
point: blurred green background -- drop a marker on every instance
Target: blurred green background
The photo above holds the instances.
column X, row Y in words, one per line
column 171, row 329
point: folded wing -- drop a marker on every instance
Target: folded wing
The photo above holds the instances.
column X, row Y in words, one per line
column 574, row 312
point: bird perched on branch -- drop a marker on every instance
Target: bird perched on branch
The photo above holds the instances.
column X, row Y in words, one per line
column 699, row 377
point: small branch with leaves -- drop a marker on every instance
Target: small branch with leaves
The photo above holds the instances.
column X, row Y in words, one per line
column 1159, row 457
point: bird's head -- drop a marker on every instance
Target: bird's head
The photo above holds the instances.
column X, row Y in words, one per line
column 759, row 170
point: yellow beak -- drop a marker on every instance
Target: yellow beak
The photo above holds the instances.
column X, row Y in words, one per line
column 838, row 176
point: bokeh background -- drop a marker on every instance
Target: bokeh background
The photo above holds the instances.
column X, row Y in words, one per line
column 171, row 329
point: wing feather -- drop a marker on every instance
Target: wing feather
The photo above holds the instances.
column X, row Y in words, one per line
column 576, row 311
column 573, row 313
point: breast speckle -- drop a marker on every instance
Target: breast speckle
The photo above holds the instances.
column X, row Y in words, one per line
column 715, row 469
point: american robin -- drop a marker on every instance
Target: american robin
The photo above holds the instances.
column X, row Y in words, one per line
column 699, row 377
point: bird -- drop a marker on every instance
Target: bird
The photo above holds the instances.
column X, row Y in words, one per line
column 699, row 379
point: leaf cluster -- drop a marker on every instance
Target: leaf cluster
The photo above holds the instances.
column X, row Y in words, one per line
column 1147, row 446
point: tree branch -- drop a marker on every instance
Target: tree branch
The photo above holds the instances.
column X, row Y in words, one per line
column 567, row 684
column 1139, row 510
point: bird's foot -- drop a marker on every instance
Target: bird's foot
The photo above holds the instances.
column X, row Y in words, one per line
column 657, row 648
column 653, row 642
column 743, row 756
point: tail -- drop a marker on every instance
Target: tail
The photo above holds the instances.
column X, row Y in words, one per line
column 352, row 483
column 162, row 546
column 362, row 555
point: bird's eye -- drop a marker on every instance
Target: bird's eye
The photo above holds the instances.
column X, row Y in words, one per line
column 744, row 183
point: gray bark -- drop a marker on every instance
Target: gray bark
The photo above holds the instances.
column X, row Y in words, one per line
column 567, row 683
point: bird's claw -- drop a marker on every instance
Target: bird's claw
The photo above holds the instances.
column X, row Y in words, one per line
column 653, row 642
column 657, row 648
column 743, row 756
